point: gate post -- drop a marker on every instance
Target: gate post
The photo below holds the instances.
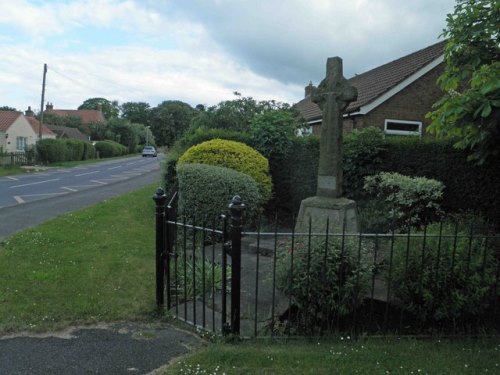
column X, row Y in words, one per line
column 236, row 208
column 160, row 199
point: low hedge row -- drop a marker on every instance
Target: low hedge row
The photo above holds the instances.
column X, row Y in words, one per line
column 108, row 149
column 58, row 150
column 468, row 187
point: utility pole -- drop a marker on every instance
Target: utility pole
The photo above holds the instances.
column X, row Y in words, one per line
column 43, row 99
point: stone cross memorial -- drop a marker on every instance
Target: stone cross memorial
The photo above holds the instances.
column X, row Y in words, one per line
column 333, row 95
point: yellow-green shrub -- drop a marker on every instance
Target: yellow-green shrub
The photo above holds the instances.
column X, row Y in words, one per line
column 234, row 155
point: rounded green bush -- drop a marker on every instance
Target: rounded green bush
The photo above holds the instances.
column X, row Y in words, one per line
column 234, row 155
column 51, row 150
column 108, row 149
column 207, row 190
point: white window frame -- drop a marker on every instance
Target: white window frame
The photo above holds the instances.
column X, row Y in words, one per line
column 403, row 132
column 21, row 141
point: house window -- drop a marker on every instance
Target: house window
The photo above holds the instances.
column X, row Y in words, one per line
column 21, row 143
column 402, row 127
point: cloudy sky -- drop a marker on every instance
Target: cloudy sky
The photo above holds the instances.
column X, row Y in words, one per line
column 199, row 51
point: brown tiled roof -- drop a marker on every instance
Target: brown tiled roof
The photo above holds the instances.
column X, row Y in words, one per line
column 374, row 83
column 35, row 124
column 67, row 132
column 87, row 116
column 7, row 118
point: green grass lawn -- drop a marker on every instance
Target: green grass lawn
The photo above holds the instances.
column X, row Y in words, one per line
column 366, row 356
column 93, row 265
column 9, row 171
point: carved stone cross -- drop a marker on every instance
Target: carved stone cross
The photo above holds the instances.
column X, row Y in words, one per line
column 333, row 95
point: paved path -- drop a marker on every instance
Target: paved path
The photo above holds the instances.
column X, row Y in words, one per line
column 118, row 348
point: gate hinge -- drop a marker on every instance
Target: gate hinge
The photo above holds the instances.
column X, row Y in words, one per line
column 228, row 247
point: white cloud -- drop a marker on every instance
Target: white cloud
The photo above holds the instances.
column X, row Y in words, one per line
column 199, row 51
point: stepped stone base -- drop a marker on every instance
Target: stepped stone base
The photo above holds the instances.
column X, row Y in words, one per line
column 340, row 211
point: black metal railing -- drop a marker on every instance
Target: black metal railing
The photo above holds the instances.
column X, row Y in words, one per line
column 440, row 279
column 17, row 158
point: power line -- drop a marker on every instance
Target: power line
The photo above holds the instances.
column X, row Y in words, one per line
column 73, row 80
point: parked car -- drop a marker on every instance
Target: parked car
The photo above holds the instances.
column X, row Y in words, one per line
column 149, row 151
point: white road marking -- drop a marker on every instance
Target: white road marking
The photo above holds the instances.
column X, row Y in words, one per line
column 18, row 199
column 99, row 182
column 34, row 183
column 63, row 170
column 12, row 178
column 114, row 167
column 84, row 174
column 42, row 195
column 41, row 174
column 131, row 163
column 68, row 188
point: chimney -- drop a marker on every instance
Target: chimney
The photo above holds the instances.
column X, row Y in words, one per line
column 49, row 107
column 309, row 89
column 29, row 112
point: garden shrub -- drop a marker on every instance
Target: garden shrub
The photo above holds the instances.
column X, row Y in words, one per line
column 406, row 201
column 207, row 190
column 326, row 280
column 51, row 150
column 74, row 149
column 88, row 151
column 234, row 155
column 444, row 281
column 108, row 149
column 200, row 135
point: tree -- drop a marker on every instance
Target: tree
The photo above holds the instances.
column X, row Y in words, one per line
column 470, row 108
column 170, row 120
column 136, row 112
column 110, row 109
column 7, row 108
column 234, row 114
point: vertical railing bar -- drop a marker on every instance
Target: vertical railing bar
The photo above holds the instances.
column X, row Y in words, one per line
column 291, row 282
column 340, row 275
column 372, row 294
column 213, row 274
column 194, row 270
column 203, row 270
column 308, row 273
column 185, row 265
column 325, row 281
column 406, row 272
column 389, row 283
column 274, row 272
column 469, row 253
column 237, row 209
column 257, row 277
column 176, row 270
column 356, row 290
column 224, row 277
column 421, row 281
column 455, row 238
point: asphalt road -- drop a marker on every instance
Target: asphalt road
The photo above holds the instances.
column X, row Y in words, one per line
column 30, row 199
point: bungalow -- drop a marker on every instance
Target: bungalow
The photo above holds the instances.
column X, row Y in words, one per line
column 86, row 116
column 394, row 97
column 17, row 133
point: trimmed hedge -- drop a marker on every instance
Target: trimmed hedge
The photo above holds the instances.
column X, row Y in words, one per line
column 58, row 150
column 108, row 149
column 207, row 190
column 468, row 187
column 234, row 155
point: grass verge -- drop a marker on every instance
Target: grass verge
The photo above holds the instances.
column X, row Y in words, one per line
column 367, row 356
column 10, row 170
column 92, row 265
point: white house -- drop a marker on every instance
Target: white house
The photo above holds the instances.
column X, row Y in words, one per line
column 17, row 134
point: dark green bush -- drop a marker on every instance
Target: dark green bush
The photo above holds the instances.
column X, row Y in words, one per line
column 200, row 135
column 88, row 151
column 51, row 150
column 108, row 149
column 207, row 190
column 74, row 149
column 326, row 280
column 447, row 281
